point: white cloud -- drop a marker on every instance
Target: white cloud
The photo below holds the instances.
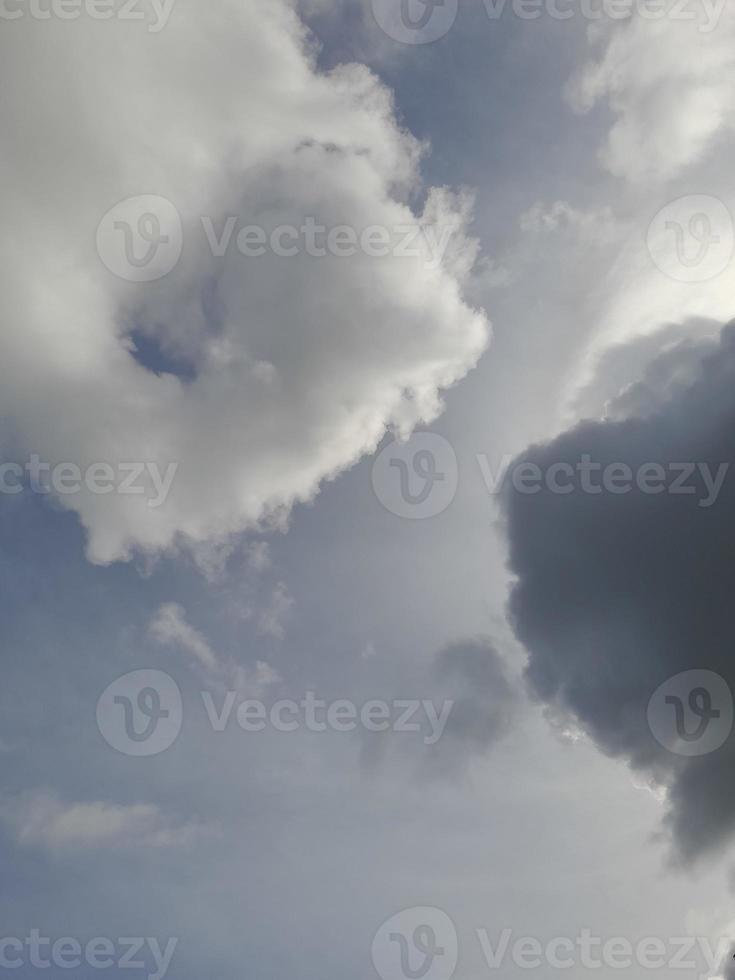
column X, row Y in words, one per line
column 258, row 556
column 170, row 627
column 44, row 820
column 598, row 285
column 298, row 364
column 670, row 84
column 271, row 621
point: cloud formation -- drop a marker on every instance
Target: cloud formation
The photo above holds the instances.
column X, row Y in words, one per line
column 618, row 591
column 475, row 678
column 668, row 79
column 262, row 376
column 471, row 687
column 170, row 627
column 44, row 820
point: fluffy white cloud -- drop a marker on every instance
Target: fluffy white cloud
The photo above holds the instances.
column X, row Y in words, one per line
column 595, row 269
column 294, row 366
column 669, row 79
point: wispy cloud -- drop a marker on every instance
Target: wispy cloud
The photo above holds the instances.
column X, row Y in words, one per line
column 170, row 627
column 44, row 820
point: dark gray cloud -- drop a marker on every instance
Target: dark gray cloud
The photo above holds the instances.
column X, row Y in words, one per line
column 475, row 697
column 617, row 592
column 474, row 676
column 632, row 377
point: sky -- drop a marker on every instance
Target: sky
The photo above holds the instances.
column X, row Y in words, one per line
column 367, row 403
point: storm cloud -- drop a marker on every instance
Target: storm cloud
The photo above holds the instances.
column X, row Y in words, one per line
column 617, row 590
